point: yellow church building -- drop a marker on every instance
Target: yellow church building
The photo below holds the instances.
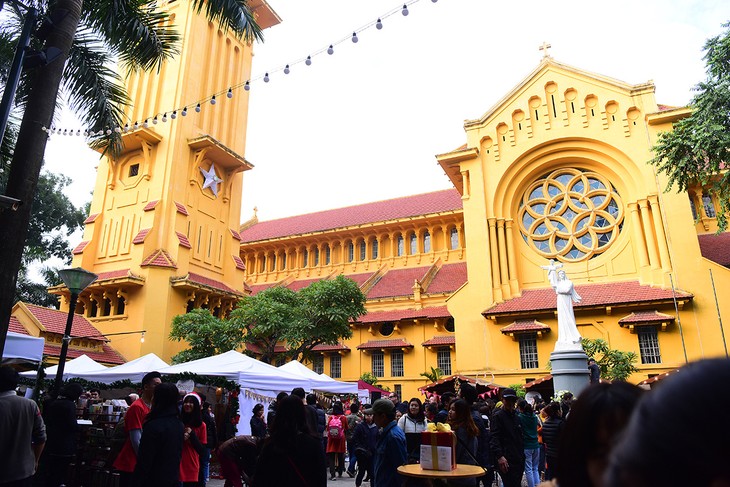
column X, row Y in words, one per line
column 557, row 169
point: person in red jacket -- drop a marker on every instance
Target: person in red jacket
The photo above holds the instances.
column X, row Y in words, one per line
column 336, row 443
column 195, row 439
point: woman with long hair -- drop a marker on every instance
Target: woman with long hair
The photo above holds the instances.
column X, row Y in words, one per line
column 195, row 436
column 160, row 449
column 336, row 443
column 413, row 423
column 291, row 456
column 258, row 425
column 467, row 435
column 552, row 430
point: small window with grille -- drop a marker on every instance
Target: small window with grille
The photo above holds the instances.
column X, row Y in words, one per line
column 318, row 364
column 649, row 345
column 133, row 170
column 528, row 351
column 335, row 366
column 377, row 361
column 443, row 360
column 396, row 363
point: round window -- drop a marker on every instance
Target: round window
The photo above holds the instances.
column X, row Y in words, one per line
column 570, row 215
column 386, row 329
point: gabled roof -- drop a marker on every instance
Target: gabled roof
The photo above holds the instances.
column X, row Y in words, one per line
column 382, row 344
column 646, row 317
column 404, row 314
column 338, row 347
column 107, row 356
column 716, row 247
column 379, row 211
column 397, row 282
column 159, row 258
column 594, row 295
column 54, row 321
column 525, row 326
column 440, row 341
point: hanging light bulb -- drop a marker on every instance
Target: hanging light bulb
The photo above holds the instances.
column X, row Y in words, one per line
column 354, row 38
column 379, row 24
column 247, row 86
column 78, row 132
column 126, row 127
column 308, row 62
column 185, row 112
column 212, row 100
column 108, row 131
column 43, row 128
column 118, row 130
column 286, row 69
column 330, row 50
column 266, row 78
column 86, row 133
column 154, row 120
column 142, row 338
column 146, row 123
column 197, row 108
column 405, row 10
column 230, row 93
column 164, row 117
column 64, row 132
column 136, row 125
column 173, row 115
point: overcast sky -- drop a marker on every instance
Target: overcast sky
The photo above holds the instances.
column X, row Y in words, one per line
column 365, row 123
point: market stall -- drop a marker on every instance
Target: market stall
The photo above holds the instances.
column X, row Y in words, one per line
column 319, row 382
column 22, row 349
column 81, row 366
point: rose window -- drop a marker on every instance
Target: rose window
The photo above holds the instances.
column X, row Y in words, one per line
column 570, row 215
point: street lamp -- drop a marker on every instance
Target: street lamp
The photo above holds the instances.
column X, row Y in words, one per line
column 76, row 280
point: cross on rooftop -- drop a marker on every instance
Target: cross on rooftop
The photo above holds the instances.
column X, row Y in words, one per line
column 544, row 48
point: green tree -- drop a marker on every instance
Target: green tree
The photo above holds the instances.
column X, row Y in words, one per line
column 615, row 364
column 206, row 335
column 696, row 150
column 433, row 375
column 89, row 35
column 318, row 314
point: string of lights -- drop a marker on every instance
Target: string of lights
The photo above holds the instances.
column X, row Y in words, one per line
column 228, row 93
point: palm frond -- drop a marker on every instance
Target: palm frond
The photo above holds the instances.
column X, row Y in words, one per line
column 235, row 15
column 135, row 30
column 95, row 92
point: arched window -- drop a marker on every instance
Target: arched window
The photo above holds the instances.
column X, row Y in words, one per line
column 283, row 262
column 454, row 239
column 374, row 248
column 693, row 208
column 401, row 246
column 316, row 256
column 413, row 244
column 327, row 255
column 362, row 248
column 426, row 242
column 272, row 263
column 350, row 252
column 305, row 258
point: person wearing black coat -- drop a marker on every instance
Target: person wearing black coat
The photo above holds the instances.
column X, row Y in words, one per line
column 552, row 429
column 258, row 426
column 364, row 441
column 211, row 431
column 160, row 449
column 506, row 442
column 61, row 430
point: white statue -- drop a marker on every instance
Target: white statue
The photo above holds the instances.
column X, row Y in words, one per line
column 568, row 336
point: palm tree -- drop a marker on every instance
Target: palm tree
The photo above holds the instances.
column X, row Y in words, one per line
column 90, row 35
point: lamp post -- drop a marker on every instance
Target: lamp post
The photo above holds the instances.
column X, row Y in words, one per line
column 76, row 280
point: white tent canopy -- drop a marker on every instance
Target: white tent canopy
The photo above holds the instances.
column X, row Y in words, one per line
column 133, row 370
column 81, row 366
column 19, row 347
column 319, row 382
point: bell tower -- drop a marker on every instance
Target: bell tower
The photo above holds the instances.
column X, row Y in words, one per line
column 162, row 230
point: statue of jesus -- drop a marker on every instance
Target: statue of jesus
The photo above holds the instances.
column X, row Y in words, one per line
column 568, row 336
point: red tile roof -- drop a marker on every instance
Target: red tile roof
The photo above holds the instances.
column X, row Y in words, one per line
column 525, row 326
column 181, row 208
column 108, row 356
column 252, row 347
column 151, row 205
column 594, row 295
column 103, row 276
column 360, row 278
column 16, row 327
column 207, row 281
column 184, row 240
column 80, row 247
column 441, row 340
column 141, row 235
column 239, row 262
column 159, row 258
column 448, row 279
column 403, row 314
column 397, row 282
column 235, row 234
column 422, row 204
column 91, row 218
column 302, row 283
column 54, row 321
column 540, row 380
column 377, row 344
column 716, row 247
column 645, row 317
column 257, row 288
column 331, row 348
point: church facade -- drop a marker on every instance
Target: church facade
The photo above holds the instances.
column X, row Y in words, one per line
column 556, row 170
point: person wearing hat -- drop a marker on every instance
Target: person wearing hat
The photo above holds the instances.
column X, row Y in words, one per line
column 390, row 450
column 195, row 437
column 506, row 443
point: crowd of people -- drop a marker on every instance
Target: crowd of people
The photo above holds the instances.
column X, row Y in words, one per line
column 613, row 434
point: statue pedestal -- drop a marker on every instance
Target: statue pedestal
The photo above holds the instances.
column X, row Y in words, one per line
column 570, row 370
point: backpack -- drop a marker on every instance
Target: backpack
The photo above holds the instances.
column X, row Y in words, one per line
column 335, row 430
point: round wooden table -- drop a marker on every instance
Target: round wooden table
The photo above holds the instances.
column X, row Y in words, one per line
column 461, row 471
